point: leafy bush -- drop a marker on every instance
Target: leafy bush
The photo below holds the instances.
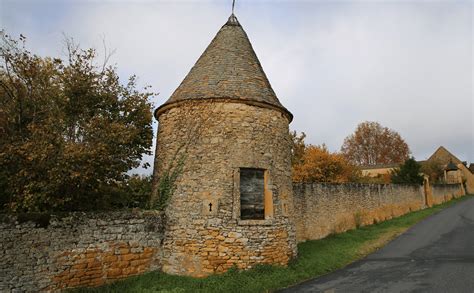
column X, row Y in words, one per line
column 317, row 164
column 133, row 192
column 69, row 129
column 409, row 172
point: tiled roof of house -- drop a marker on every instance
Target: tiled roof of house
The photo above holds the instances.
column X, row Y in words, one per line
column 444, row 156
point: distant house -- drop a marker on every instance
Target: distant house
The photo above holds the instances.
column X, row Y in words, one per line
column 450, row 162
column 455, row 170
column 452, row 173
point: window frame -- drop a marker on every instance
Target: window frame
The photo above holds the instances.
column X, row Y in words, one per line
column 259, row 174
column 267, row 198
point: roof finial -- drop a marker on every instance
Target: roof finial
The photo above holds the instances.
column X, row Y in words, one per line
column 232, row 19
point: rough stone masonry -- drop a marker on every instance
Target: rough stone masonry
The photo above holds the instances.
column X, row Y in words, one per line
column 222, row 120
column 50, row 253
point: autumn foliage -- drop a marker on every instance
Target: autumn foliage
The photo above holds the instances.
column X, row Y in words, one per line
column 298, row 147
column 319, row 165
column 69, row 129
column 433, row 169
column 373, row 144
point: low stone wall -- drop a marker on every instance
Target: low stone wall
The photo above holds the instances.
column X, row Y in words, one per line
column 444, row 192
column 323, row 209
column 50, row 253
column 46, row 253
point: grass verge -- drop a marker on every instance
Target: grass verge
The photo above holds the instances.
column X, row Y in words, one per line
column 316, row 257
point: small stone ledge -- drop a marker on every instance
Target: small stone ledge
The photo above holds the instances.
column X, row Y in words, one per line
column 266, row 222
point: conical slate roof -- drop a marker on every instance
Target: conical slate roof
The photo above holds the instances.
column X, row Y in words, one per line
column 227, row 70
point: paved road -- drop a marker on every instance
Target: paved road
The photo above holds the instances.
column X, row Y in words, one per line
column 436, row 255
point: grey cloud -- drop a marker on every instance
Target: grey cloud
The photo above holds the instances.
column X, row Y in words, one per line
column 405, row 64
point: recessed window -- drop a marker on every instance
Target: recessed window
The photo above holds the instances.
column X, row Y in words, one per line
column 252, row 194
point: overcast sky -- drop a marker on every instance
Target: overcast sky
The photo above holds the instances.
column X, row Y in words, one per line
column 333, row 64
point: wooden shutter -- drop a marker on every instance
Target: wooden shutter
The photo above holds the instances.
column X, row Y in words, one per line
column 252, row 188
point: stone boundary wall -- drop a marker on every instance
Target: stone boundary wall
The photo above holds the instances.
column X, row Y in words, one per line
column 49, row 253
column 445, row 192
column 325, row 208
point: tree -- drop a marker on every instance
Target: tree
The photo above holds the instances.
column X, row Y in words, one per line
column 133, row 192
column 297, row 147
column 434, row 169
column 409, row 172
column 319, row 165
column 373, row 144
column 70, row 130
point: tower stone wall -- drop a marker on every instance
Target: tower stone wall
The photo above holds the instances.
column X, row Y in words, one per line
column 223, row 121
column 205, row 233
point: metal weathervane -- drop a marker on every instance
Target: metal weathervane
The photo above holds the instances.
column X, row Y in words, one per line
column 233, row 5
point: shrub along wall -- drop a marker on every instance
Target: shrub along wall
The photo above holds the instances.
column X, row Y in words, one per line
column 324, row 209
column 47, row 253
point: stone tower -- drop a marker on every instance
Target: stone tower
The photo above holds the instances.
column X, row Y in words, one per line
column 223, row 150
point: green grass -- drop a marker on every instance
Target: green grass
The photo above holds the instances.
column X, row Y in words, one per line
column 316, row 257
